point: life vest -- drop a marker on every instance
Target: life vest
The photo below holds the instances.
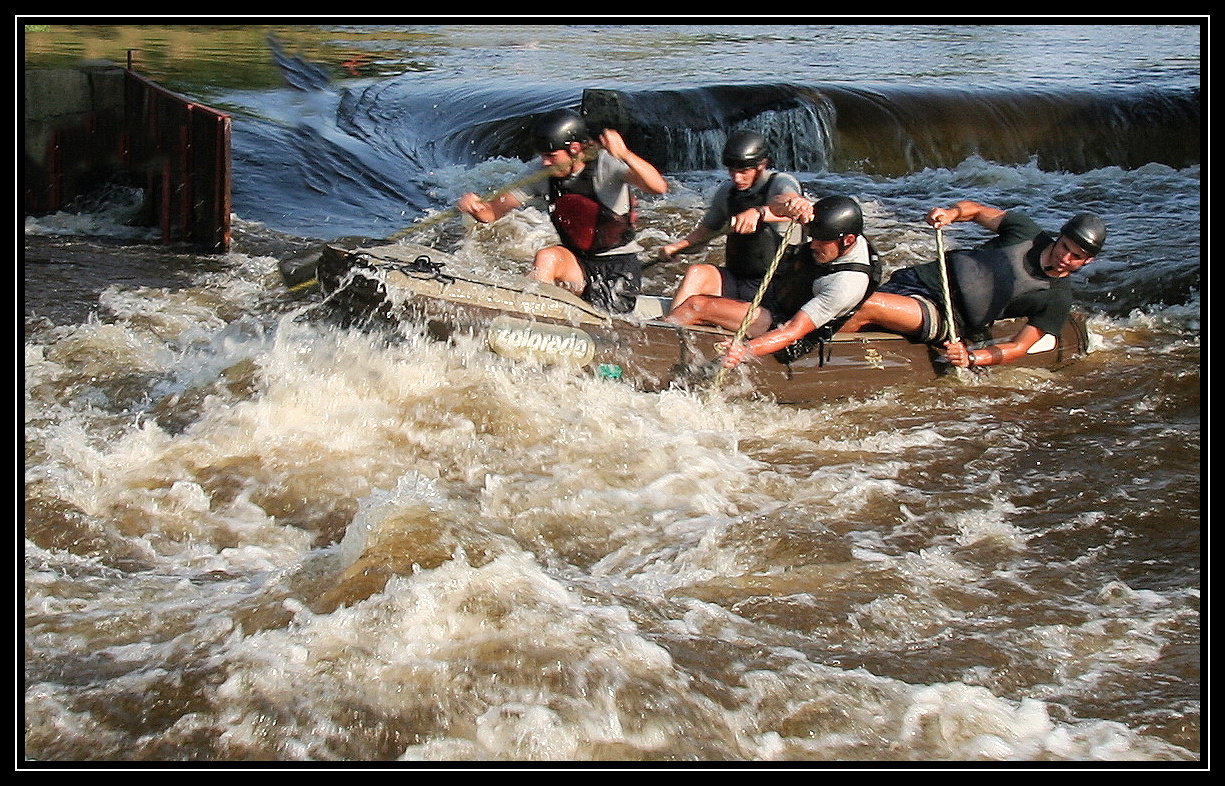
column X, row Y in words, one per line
column 750, row 256
column 874, row 268
column 985, row 281
column 798, row 290
column 583, row 223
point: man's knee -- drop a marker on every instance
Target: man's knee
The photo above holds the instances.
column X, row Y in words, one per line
column 555, row 264
column 690, row 310
column 699, row 304
column 553, row 256
column 703, row 278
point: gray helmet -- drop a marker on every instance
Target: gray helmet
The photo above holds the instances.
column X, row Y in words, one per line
column 555, row 130
column 744, row 149
column 1087, row 231
column 834, row 217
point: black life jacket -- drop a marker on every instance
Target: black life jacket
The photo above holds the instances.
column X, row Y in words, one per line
column 583, row 223
column 798, row 290
column 750, row 256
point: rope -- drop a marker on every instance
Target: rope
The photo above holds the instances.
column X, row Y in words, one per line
column 588, row 155
column 944, row 286
column 757, row 298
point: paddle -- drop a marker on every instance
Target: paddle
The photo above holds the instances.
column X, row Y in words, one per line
column 954, row 338
column 757, row 298
column 589, row 153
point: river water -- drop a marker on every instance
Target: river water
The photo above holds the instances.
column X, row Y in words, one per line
column 251, row 535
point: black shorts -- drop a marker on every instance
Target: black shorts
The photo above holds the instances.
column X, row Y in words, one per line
column 907, row 282
column 746, row 289
column 613, row 281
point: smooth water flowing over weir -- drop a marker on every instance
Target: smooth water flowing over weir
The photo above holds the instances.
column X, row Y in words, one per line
column 892, row 130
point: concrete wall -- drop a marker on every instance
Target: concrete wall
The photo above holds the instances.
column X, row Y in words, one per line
column 100, row 124
column 67, row 100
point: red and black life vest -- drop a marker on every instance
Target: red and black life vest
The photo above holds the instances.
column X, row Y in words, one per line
column 584, row 224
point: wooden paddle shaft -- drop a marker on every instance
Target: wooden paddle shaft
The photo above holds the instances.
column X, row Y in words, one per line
column 589, row 153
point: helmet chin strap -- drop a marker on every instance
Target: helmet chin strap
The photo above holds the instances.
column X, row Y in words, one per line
column 1047, row 264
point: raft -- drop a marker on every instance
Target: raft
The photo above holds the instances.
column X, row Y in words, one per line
column 539, row 323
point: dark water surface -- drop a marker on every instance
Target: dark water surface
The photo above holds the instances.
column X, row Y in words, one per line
column 251, row 535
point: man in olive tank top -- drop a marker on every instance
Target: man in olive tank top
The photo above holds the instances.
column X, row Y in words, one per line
column 1021, row 272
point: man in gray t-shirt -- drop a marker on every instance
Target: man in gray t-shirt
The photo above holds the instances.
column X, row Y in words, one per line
column 832, row 275
column 754, row 233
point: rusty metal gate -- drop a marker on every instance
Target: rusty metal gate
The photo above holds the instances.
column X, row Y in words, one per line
column 182, row 151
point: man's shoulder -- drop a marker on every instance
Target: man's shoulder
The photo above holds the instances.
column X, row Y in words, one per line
column 608, row 164
column 1018, row 224
column 780, row 182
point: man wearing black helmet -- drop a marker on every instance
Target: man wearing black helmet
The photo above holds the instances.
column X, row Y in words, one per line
column 1022, row 272
column 590, row 205
column 825, row 281
column 754, row 233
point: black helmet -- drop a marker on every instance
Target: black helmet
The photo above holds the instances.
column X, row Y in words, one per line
column 555, row 130
column 1087, row 231
column 744, row 149
column 834, row 217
